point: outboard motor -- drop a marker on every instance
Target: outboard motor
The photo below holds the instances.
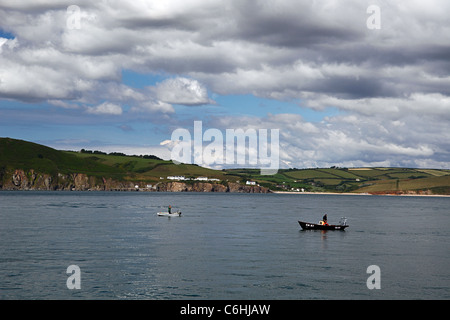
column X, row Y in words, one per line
column 343, row 221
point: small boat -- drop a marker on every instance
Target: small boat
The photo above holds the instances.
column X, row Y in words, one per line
column 323, row 226
column 166, row 214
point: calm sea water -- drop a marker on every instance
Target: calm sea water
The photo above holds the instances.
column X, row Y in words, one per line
column 225, row 246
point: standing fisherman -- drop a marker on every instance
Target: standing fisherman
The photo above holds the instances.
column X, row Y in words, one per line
column 324, row 219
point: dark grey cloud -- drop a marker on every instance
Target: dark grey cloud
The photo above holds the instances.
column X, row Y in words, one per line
column 223, row 38
column 349, row 87
column 292, row 24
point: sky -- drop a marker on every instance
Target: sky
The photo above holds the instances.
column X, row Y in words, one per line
column 349, row 83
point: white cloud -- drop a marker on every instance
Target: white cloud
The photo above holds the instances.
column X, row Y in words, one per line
column 426, row 105
column 391, row 86
column 105, row 108
column 2, row 42
column 182, row 91
column 351, row 140
column 152, row 106
column 63, row 104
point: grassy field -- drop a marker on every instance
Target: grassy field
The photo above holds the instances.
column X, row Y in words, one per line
column 152, row 170
column 15, row 154
column 407, row 184
column 363, row 180
column 18, row 154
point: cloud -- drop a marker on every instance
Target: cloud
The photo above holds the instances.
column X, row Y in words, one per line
column 182, row 91
column 350, row 140
column 105, row 108
column 152, row 106
column 390, row 87
column 2, row 42
column 426, row 105
column 63, row 104
column 280, row 49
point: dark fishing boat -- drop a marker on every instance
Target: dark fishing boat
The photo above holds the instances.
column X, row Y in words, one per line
column 323, row 226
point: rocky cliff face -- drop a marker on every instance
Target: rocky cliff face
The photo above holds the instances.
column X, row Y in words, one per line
column 209, row 187
column 31, row 180
column 21, row 180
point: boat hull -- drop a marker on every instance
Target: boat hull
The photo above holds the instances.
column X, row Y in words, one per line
column 166, row 214
column 315, row 226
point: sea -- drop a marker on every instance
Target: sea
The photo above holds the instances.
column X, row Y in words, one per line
column 113, row 246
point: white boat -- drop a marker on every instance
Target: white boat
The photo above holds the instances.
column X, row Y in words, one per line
column 166, row 214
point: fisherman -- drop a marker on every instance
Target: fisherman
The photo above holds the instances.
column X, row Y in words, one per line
column 170, row 209
column 324, row 219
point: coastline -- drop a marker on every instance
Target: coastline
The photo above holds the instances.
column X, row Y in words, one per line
column 233, row 191
column 361, row 194
column 325, row 193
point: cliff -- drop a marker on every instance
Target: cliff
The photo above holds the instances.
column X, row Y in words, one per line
column 210, row 187
column 20, row 179
column 30, row 166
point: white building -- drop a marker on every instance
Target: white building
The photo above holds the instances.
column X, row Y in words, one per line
column 176, row 178
column 206, row 179
column 251, row 183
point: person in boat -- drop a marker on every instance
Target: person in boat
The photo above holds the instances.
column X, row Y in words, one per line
column 325, row 219
column 170, row 209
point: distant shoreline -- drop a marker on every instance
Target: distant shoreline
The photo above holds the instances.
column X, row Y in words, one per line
column 269, row 191
column 330, row 193
column 361, row 194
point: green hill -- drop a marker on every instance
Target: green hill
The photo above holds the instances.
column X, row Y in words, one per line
column 29, row 164
column 354, row 180
column 26, row 161
column 19, row 154
column 141, row 168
